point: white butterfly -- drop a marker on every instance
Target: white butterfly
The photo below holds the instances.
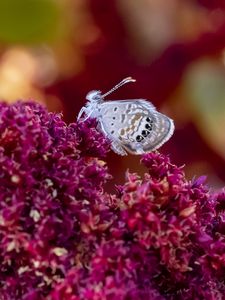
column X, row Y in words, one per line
column 133, row 126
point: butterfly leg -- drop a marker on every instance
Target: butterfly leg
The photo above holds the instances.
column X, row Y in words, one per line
column 117, row 148
column 81, row 113
column 84, row 110
column 139, row 149
column 88, row 116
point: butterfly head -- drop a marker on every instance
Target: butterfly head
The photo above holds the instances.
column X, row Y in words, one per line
column 94, row 96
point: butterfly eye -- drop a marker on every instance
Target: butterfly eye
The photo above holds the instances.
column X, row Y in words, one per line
column 139, row 138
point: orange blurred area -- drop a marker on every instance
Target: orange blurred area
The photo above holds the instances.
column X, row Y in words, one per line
column 55, row 52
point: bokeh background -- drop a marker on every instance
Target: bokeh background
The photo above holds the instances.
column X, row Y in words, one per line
column 54, row 52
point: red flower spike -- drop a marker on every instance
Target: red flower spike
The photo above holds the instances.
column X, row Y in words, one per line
column 63, row 236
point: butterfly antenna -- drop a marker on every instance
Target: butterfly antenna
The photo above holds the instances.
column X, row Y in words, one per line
column 124, row 81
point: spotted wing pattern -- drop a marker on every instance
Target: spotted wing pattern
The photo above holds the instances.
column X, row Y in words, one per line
column 134, row 126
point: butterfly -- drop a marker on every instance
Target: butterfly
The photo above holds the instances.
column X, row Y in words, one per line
column 133, row 126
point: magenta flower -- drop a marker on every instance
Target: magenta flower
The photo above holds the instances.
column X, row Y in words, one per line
column 64, row 237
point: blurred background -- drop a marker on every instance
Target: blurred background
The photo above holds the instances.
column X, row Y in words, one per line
column 54, row 52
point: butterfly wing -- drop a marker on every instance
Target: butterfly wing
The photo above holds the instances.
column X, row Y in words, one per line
column 134, row 125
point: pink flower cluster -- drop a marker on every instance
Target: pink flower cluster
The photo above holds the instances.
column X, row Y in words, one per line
column 64, row 237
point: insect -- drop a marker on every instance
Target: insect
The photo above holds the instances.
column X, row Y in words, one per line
column 133, row 126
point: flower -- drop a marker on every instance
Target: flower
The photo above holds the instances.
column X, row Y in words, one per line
column 63, row 236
